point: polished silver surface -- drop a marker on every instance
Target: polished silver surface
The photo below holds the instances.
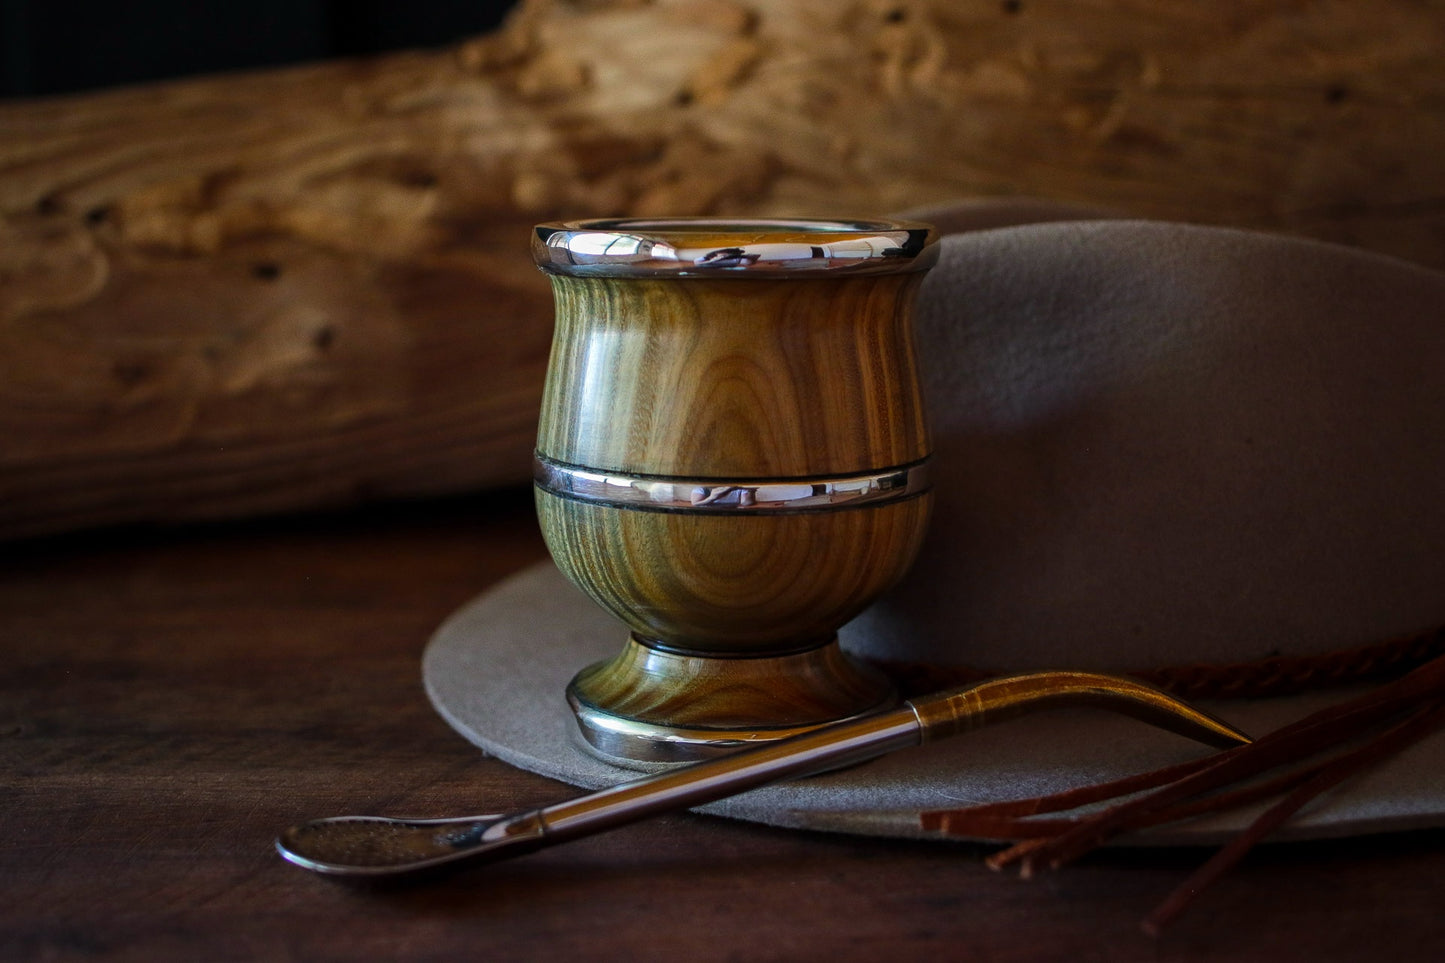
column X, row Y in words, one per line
column 716, row 496
column 370, row 846
column 732, row 247
column 635, row 744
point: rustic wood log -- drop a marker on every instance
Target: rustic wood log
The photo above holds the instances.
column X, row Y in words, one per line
column 311, row 287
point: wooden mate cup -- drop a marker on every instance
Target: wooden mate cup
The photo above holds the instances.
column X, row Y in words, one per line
column 733, row 460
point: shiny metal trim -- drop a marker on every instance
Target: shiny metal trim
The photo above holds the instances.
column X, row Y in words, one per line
column 732, row 247
column 730, row 771
column 363, row 846
column 635, row 744
column 717, row 496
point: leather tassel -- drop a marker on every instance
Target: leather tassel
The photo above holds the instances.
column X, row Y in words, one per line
column 1298, row 763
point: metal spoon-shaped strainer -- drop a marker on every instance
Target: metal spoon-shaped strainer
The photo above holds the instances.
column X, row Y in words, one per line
column 374, row 846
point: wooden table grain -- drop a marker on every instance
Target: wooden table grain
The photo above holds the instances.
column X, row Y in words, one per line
column 169, row 700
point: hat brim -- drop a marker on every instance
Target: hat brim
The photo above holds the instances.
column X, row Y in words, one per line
column 496, row 671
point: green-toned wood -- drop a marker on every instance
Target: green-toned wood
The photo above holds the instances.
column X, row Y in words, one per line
column 732, row 377
column 785, row 694
column 784, row 373
column 730, row 585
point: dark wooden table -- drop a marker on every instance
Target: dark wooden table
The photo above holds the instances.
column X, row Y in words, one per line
column 171, row 700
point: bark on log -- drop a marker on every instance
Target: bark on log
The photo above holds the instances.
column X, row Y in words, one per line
column 310, row 287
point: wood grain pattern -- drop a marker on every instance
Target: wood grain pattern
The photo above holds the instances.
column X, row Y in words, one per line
column 732, row 378
column 171, row 702
column 775, row 697
column 730, row 584
column 741, row 379
column 746, row 380
column 306, row 287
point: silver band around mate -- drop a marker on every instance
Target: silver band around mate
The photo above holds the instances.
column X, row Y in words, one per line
column 714, row 496
column 732, row 247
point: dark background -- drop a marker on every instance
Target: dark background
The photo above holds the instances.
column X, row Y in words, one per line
column 60, row 46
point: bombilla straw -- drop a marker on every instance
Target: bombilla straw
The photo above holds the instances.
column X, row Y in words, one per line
column 376, row 846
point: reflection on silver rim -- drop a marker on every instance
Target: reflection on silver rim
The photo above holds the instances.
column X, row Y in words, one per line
column 714, row 496
column 718, row 247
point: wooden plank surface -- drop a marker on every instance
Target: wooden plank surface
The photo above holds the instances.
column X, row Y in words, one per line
column 167, row 703
column 310, row 287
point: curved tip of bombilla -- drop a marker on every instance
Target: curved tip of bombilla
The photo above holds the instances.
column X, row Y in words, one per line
column 1011, row 696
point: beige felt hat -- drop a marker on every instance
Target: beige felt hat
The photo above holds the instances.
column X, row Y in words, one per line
column 1156, row 445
